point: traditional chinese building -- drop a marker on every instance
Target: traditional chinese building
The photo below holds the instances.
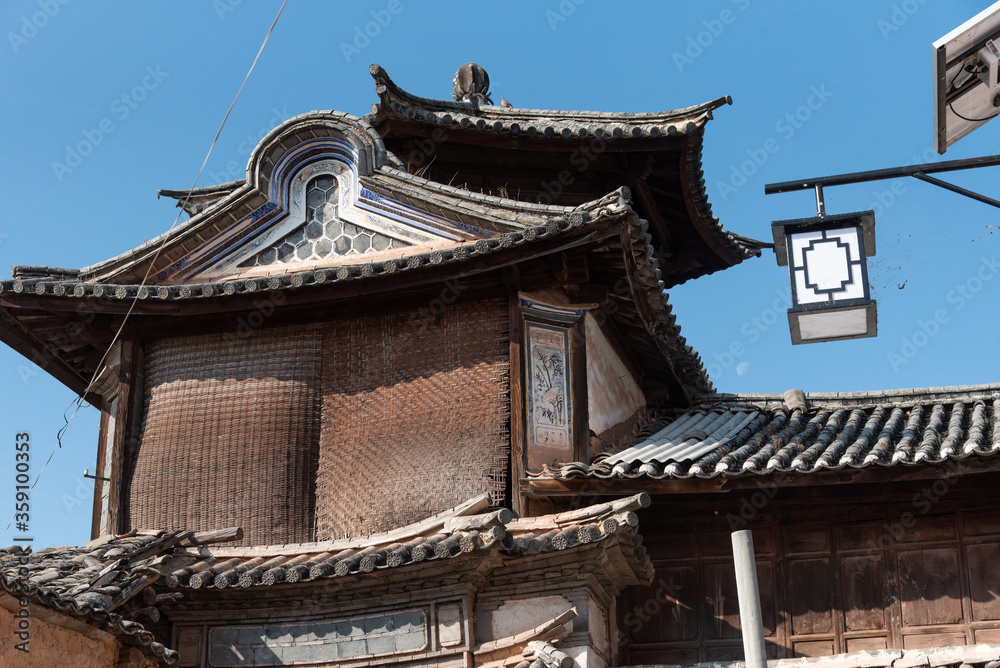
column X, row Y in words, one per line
column 408, row 392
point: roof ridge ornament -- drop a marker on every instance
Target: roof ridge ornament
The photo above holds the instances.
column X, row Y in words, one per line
column 794, row 399
column 472, row 84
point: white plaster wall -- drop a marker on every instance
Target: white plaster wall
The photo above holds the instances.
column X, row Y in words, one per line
column 585, row 657
column 598, row 627
column 524, row 614
column 612, row 393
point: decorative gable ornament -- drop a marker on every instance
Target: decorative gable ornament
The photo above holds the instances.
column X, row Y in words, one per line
column 827, row 264
column 317, row 213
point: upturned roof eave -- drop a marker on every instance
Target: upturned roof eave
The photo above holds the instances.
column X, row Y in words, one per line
column 408, row 105
column 688, row 124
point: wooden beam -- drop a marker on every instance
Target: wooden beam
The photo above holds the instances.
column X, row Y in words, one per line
column 38, row 353
column 578, row 390
column 211, row 536
column 542, row 487
column 95, row 517
column 518, row 403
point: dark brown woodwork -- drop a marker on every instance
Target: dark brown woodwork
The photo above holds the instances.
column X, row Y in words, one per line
column 126, row 414
column 578, row 391
column 895, row 565
column 518, row 402
column 652, row 213
column 136, row 392
column 95, row 518
column 39, row 353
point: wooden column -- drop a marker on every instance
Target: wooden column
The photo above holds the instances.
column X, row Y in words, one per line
column 518, row 452
column 120, row 386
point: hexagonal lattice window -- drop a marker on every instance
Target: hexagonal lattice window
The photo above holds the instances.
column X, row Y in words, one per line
column 324, row 233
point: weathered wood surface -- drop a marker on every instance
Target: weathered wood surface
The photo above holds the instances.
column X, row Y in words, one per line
column 840, row 571
column 591, row 514
column 432, row 525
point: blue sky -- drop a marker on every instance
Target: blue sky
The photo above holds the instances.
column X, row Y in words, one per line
column 835, row 87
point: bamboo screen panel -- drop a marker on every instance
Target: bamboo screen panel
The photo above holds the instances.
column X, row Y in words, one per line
column 230, row 435
column 415, row 416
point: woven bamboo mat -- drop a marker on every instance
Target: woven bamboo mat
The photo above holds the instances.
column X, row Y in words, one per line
column 415, row 416
column 230, row 435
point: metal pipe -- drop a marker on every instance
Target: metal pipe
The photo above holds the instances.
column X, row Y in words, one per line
column 881, row 174
column 751, row 622
column 957, row 189
column 820, row 204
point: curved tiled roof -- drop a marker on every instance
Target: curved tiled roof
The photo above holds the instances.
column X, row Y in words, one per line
column 678, row 351
column 220, row 568
column 613, row 207
column 97, row 581
column 294, row 280
column 87, row 582
column 551, row 123
column 474, row 115
column 736, row 435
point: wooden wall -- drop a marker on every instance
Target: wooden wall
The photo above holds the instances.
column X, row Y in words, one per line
column 841, row 569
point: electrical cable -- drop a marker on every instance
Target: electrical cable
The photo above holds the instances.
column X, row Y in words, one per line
column 78, row 401
column 977, row 69
column 971, row 120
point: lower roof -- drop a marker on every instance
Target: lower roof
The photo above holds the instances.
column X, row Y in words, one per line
column 730, row 436
column 97, row 582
